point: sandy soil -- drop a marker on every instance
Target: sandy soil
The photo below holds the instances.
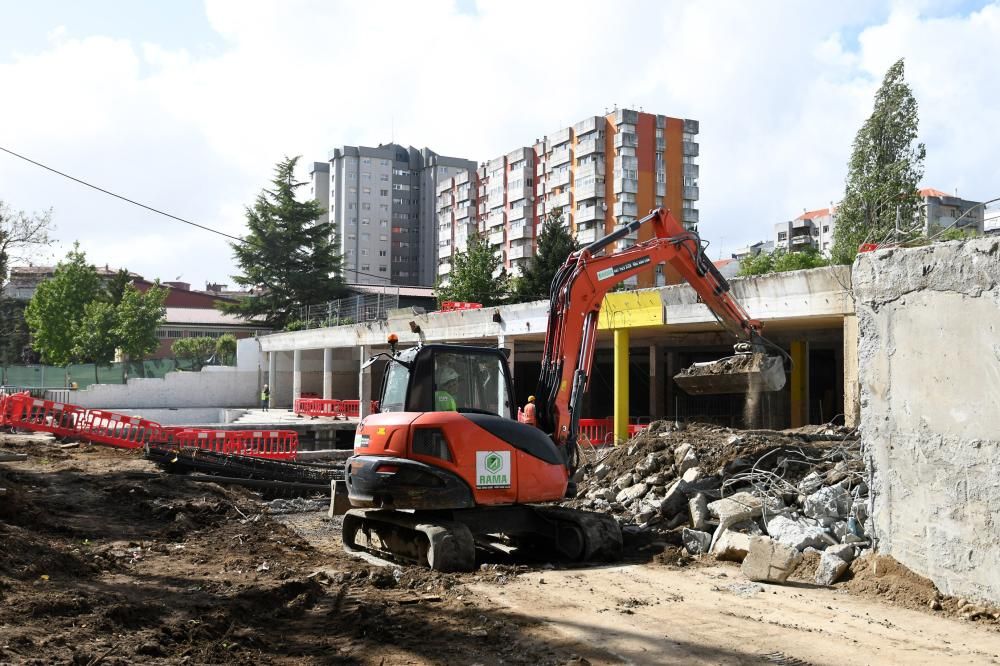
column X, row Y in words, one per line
column 648, row 614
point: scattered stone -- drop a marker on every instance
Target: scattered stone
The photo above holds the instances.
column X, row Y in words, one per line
column 624, row 481
column 832, row 501
column 844, row 551
column 698, row 508
column 675, row 500
column 749, row 527
column 602, row 471
column 650, row 464
column 691, row 475
column 736, row 508
column 732, row 546
column 830, row 568
column 811, row 483
column 796, row 533
column 769, row 561
column 684, row 458
column 632, row 493
column 695, row 541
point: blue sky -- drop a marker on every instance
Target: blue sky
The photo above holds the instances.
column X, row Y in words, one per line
column 187, row 105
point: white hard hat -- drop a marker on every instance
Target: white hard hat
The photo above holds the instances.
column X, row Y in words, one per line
column 446, row 374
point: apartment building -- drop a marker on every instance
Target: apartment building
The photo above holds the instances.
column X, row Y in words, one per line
column 943, row 211
column 598, row 173
column 382, row 203
column 811, row 229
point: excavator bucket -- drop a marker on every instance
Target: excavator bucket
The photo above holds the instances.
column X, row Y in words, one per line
column 743, row 373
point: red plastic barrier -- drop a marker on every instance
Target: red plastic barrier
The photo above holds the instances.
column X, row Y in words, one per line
column 318, row 407
column 125, row 432
column 23, row 411
column 600, row 432
column 274, row 444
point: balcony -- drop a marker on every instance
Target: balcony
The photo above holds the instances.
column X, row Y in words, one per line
column 558, row 179
column 518, row 213
column 562, row 136
column 689, row 148
column 524, row 231
column 800, row 241
column 462, row 177
column 691, row 170
column 626, row 139
column 690, row 126
column 592, row 169
column 558, row 200
column 495, row 200
column 523, row 174
column 690, row 215
column 444, row 269
column 496, row 238
column 625, row 208
column 587, row 125
column 587, row 235
column 626, row 116
column 690, row 193
column 444, row 251
column 590, row 146
column 465, row 212
column 560, row 156
column 540, row 189
column 520, row 252
column 626, row 185
column 589, row 191
column 590, row 213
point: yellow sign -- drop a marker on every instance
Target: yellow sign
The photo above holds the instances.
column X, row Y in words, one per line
column 628, row 309
column 380, row 431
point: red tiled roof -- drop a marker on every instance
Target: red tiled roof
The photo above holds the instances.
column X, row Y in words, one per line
column 813, row 214
column 719, row 263
column 931, row 192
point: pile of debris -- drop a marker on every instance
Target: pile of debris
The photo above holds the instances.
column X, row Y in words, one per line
column 730, row 493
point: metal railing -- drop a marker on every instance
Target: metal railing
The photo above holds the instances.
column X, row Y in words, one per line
column 346, row 311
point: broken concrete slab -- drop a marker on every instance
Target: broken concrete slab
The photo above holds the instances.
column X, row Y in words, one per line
column 810, row 483
column 796, row 533
column 695, row 541
column 691, row 475
column 698, row 508
column 684, row 458
column 831, row 567
column 733, row 509
column 675, row 500
column 632, row 493
column 769, row 561
column 732, row 546
column 844, row 551
column 832, row 501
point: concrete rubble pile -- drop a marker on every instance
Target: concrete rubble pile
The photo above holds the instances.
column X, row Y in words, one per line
column 759, row 497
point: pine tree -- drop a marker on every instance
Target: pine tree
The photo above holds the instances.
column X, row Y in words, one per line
column 289, row 259
column 884, row 170
column 555, row 244
column 472, row 277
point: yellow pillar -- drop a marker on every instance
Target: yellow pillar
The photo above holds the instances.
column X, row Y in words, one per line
column 621, row 384
column 800, row 383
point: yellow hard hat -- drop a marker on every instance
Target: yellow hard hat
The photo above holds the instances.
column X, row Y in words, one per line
column 531, row 398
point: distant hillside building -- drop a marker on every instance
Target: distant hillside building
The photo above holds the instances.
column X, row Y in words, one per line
column 811, row 229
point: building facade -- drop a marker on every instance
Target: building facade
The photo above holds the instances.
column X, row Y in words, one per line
column 944, row 211
column 812, row 229
column 601, row 172
column 382, row 203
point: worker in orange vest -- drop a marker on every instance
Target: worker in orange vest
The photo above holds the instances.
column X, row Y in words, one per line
column 529, row 412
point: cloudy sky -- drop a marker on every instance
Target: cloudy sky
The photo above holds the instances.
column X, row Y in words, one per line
column 187, row 105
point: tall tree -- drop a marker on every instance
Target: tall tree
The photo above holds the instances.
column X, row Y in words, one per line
column 289, row 258
column 197, row 350
column 225, row 348
column 93, row 337
column 20, row 234
column 58, row 306
column 884, row 170
column 472, row 276
column 139, row 314
column 555, row 244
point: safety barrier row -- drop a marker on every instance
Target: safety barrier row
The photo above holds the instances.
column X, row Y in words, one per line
column 336, row 409
column 24, row 412
column 601, row 432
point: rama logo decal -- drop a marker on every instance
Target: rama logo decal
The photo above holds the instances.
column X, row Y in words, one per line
column 492, row 469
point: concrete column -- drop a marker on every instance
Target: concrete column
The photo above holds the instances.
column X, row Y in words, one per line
column 671, row 388
column 800, row 383
column 296, row 375
column 272, row 376
column 328, row 374
column 656, row 383
column 365, row 381
column 852, row 386
column 621, row 384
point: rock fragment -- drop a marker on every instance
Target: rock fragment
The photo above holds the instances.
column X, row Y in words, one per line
column 769, row 561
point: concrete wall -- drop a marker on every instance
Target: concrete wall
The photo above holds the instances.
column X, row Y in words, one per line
column 929, row 349
column 212, row 387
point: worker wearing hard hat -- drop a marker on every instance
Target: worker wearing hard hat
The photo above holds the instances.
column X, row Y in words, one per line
column 530, row 416
column 446, row 379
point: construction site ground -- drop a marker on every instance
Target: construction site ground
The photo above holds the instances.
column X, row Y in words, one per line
column 106, row 560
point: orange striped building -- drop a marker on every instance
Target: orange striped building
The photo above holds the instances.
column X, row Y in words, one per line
column 600, row 172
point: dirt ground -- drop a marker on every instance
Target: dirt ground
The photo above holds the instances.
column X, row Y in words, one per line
column 103, row 559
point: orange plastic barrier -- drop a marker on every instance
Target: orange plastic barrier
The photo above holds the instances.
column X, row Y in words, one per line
column 126, row 432
column 336, row 409
column 274, row 444
column 600, row 432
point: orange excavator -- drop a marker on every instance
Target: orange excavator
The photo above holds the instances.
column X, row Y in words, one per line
column 445, row 467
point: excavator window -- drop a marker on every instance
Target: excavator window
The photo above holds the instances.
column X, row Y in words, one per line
column 476, row 382
column 394, row 391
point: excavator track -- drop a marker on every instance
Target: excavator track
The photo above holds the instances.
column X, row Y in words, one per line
column 447, row 541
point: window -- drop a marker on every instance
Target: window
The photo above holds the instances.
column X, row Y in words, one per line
column 782, row 235
column 383, row 268
column 384, row 177
column 350, row 252
column 366, row 206
column 366, row 190
column 352, row 237
column 384, row 207
column 383, row 223
column 383, row 237
column 473, row 381
column 366, row 267
column 366, row 175
column 352, row 190
column 394, row 397
column 826, row 228
column 364, row 252
column 366, row 161
column 352, row 206
column 382, row 253
column 364, row 221
column 383, row 193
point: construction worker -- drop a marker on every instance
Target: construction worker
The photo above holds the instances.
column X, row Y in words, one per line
column 529, row 412
column 265, row 397
column 446, row 382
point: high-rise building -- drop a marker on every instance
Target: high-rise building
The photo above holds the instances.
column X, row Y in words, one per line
column 599, row 173
column 382, row 204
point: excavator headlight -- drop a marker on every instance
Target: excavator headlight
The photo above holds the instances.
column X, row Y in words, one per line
column 431, row 442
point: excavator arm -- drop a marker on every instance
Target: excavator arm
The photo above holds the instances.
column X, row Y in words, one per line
column 575, row 298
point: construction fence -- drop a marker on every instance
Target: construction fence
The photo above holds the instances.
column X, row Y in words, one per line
column 346, row 311
column 20, row 377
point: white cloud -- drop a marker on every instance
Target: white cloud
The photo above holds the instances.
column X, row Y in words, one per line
column 780, row 89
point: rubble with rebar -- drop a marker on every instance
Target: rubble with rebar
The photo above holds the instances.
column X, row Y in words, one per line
column 730, row 493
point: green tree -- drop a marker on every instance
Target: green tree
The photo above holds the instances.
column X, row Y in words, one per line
column 225, row 348
column 114, row 289
column 93, row 337
column 472, row 276
column 139, row 314
column 197, row 350
column 797, row 261
column 58, row 306
column 21, row 233
column 758, row 264
column 883, row 172
column 289, row 258
column 555, row 244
